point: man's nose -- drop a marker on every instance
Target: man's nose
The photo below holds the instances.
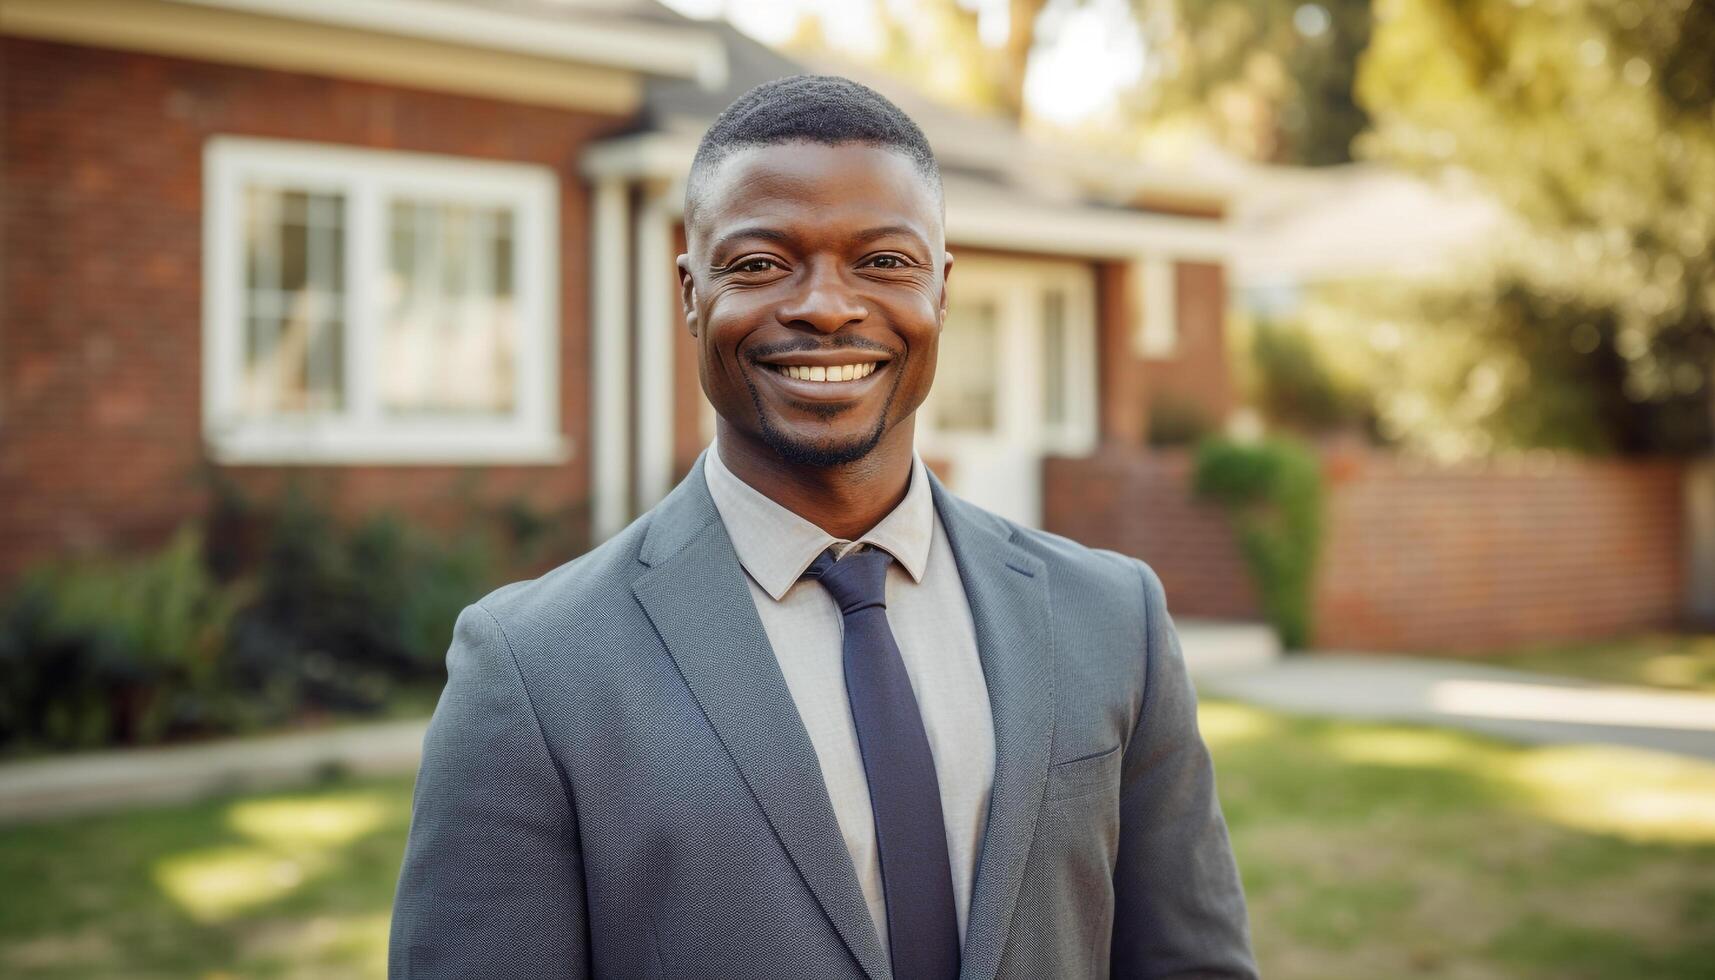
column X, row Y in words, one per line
column 824, row 303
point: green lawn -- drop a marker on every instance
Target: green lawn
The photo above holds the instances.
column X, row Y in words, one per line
column 1369, row 851
column 1674, row 661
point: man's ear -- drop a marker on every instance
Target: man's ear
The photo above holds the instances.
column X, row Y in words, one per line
column 946, row 270
column 688, row 294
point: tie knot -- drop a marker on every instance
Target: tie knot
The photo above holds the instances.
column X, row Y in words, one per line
column 857, row 581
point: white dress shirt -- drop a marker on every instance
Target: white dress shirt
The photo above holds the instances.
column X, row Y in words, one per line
column 931, row 622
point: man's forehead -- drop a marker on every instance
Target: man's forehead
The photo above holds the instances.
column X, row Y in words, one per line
column 843, row 181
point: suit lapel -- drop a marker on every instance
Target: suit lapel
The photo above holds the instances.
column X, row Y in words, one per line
column 1007, row 589
column 695, row 595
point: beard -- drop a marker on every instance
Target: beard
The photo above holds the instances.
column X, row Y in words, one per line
column 800, row 451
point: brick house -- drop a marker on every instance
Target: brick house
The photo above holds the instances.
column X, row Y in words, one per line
column 422, row 250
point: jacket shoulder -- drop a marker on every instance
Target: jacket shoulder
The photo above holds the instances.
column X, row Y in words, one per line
column 588, row 589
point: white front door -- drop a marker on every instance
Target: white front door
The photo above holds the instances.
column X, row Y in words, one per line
column 1015, row 379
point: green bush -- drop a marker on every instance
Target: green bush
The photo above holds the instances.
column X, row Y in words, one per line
column 114, row 650
column 342, row 617
column 276, row 612
column 1272, row 492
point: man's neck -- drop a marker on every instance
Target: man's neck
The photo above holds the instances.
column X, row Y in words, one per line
column 845, row 500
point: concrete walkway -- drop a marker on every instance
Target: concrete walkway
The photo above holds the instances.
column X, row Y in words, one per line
column 1510, row 704
column 92, row 781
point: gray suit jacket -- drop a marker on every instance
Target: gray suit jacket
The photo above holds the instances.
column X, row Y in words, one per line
column 616, row 782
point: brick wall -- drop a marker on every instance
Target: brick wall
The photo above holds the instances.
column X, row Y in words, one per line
column 1416, row 557
column 100, row 300
column 1138, row 503
column 1196, row 376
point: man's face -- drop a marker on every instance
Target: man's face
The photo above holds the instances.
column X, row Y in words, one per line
column 808, row 261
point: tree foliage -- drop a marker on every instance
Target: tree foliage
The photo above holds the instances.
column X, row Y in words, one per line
column 1269, row 80
column 1594, row 122
column 936, row 45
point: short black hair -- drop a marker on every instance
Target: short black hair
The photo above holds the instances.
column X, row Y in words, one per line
column 824, row 109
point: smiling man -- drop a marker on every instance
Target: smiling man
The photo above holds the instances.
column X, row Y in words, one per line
column 813, row 715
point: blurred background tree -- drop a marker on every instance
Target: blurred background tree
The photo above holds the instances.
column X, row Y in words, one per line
column 943, row 49
column 1594, row 122
column 1271, row 81
column 1268, row 80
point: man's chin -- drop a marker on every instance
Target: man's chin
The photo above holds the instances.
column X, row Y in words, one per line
column 821, row 451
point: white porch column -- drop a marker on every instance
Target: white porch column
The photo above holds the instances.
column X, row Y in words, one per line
column 655, row 324
column 610, row 369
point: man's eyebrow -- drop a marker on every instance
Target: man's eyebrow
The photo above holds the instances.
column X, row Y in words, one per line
column 776, row 235
column 756, row 231
column 886, row 230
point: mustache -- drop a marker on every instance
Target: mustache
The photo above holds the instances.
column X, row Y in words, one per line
column 806, row 346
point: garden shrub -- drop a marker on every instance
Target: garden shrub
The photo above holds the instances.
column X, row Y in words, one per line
column 341, row 617
column 1272, row 493
column 256, row 615
column 114, row 650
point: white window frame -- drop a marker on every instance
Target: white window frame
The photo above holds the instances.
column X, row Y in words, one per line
column 360, row 432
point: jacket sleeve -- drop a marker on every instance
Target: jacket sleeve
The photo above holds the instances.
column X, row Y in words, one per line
column 1179, row 909
column 492, row 883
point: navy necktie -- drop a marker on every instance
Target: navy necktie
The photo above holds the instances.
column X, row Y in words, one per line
column 910, row 833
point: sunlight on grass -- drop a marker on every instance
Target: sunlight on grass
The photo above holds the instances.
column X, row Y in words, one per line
column 1673, row 661
column 296, row 823
column 1223, row 723
column 1690, row 669
column 214, row 885
column 296, row 837
column 1417, row 748
column 309, row 946
column 1640, row 796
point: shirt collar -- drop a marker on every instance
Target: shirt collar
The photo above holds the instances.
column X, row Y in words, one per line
column 776, row 545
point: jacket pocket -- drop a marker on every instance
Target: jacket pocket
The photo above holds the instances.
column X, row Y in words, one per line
column 1084, row 775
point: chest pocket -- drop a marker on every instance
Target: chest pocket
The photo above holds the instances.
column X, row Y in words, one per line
column 1083, row 776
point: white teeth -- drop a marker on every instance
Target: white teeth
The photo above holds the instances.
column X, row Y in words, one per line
column 840, row 372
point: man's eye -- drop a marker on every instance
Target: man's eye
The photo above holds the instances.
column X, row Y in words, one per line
column 888, row 262
column 754, row 265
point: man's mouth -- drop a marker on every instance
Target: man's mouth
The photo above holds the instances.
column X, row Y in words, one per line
column 832, row 372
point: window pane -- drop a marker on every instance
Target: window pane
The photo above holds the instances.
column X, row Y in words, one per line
column 451, row 328
column 1054, row 357
column 967, row 368
column 294, row 253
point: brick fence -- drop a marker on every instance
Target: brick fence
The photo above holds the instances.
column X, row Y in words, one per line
column 1415, row 557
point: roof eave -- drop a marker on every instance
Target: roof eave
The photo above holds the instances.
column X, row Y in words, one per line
column 657, row 49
